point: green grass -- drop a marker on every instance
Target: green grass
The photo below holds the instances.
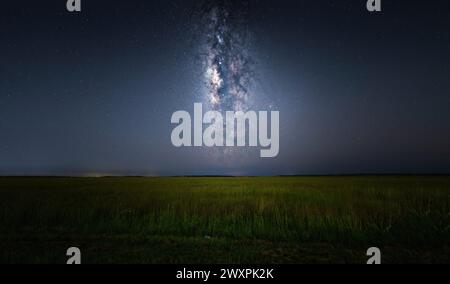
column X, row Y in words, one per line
column 225, row 220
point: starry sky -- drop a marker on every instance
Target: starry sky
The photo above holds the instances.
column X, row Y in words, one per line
column 92, row 93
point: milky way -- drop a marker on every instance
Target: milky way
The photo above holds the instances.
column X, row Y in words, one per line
column 224, row 46
column 225, row 55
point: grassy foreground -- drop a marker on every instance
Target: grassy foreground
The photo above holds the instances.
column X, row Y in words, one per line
column 225, row 220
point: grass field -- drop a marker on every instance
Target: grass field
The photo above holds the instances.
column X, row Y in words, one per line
column 225, row 220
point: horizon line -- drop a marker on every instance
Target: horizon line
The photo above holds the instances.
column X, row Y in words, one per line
column 225, row 176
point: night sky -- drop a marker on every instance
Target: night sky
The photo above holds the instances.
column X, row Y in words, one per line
column 92, row 93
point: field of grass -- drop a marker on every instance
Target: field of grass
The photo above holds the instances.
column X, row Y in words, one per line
column 225, row 220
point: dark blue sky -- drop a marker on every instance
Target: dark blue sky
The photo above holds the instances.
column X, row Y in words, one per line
column 93, row 93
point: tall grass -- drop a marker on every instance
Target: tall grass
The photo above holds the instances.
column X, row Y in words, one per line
column 413, row 211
